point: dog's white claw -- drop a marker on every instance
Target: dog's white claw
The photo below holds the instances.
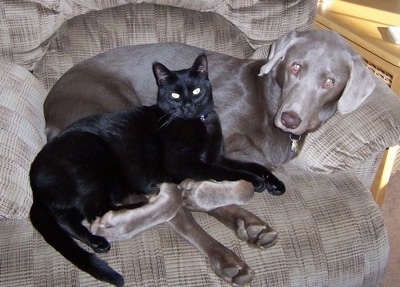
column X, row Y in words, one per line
column 241, row 231
column 254, row 230
column 267, row 240
column 260, row 236
column 187, row 184
column 244, row 278
column 231, row 272
column 237, row 274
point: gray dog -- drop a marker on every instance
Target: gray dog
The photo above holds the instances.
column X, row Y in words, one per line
column 266, row 109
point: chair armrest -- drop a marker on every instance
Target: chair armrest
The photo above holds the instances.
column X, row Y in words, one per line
column 21, row 136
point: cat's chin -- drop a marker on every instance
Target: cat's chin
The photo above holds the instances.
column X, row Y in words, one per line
column 191, row 115
column 197, row 114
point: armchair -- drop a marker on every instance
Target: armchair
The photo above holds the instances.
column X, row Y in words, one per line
column 331, row 232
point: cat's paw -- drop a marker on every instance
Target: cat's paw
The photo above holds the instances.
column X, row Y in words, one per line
column 113, row 225
column 265, row 180
column 270, row 183
column 274, row 185
column 99, row 244
column 209, row 194
column 259, row 183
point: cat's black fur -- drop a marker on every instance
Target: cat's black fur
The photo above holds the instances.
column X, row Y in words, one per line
column 99, row 161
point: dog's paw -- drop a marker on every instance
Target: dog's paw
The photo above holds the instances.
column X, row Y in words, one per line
column 208, row 195
column 257, row 234
column 112, row 226
column 105, row 226
column 231, row 268
column 95, row 226
column 100, row 223
column 123, row 224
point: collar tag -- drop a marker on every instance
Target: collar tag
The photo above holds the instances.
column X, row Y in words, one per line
column 294, row 147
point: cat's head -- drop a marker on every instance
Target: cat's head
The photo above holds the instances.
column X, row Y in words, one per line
column 184, row 93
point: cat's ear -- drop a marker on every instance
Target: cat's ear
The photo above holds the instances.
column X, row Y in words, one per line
column 160, row 72
column 200, row 64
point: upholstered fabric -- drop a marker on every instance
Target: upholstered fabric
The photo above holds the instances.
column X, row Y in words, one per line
column 28, row 25
column 330, row 230
column 21, row 136
column 98, row 31
column 324, row 240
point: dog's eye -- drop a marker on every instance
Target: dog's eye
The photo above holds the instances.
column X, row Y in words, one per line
column 175, row 96
column 196, row 91
column 296, row 68
column 329, row 83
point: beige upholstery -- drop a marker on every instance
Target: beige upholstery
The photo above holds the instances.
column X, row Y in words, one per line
column 331, row 232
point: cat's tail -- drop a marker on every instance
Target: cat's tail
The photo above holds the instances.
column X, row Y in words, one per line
column 43, row 220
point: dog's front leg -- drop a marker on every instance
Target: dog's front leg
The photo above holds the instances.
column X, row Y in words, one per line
column 225, row 263
column 207, row 195
column 126, row 223
column 247, row 226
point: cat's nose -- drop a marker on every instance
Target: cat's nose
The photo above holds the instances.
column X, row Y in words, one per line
column 187, row 107
column 187, row 104
column 188, row 111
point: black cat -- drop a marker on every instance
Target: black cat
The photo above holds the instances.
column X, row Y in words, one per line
column 99, row 161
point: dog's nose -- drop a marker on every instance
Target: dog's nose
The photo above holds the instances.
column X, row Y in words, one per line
column 290, row 120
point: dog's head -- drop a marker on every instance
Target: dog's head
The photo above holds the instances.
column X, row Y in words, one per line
column 318, row 74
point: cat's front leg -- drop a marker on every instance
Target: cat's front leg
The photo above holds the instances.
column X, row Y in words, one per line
column 269, row 181
column 127, row 223
column 274, row 185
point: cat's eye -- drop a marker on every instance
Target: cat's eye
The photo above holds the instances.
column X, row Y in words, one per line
column 196, row 91
column 175, row 95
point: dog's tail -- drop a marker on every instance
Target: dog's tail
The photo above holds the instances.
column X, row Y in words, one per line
column 43, row 220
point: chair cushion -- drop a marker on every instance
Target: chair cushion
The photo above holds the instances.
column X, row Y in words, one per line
column 98, row 31
column 29, row 25
column 330, row 230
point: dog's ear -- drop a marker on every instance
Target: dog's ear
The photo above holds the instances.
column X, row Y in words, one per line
column 359, row 86
column 278, row 51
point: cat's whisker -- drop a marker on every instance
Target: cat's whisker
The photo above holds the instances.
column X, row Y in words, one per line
column 166, row 122
column 165, row 115
column 169, row 120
